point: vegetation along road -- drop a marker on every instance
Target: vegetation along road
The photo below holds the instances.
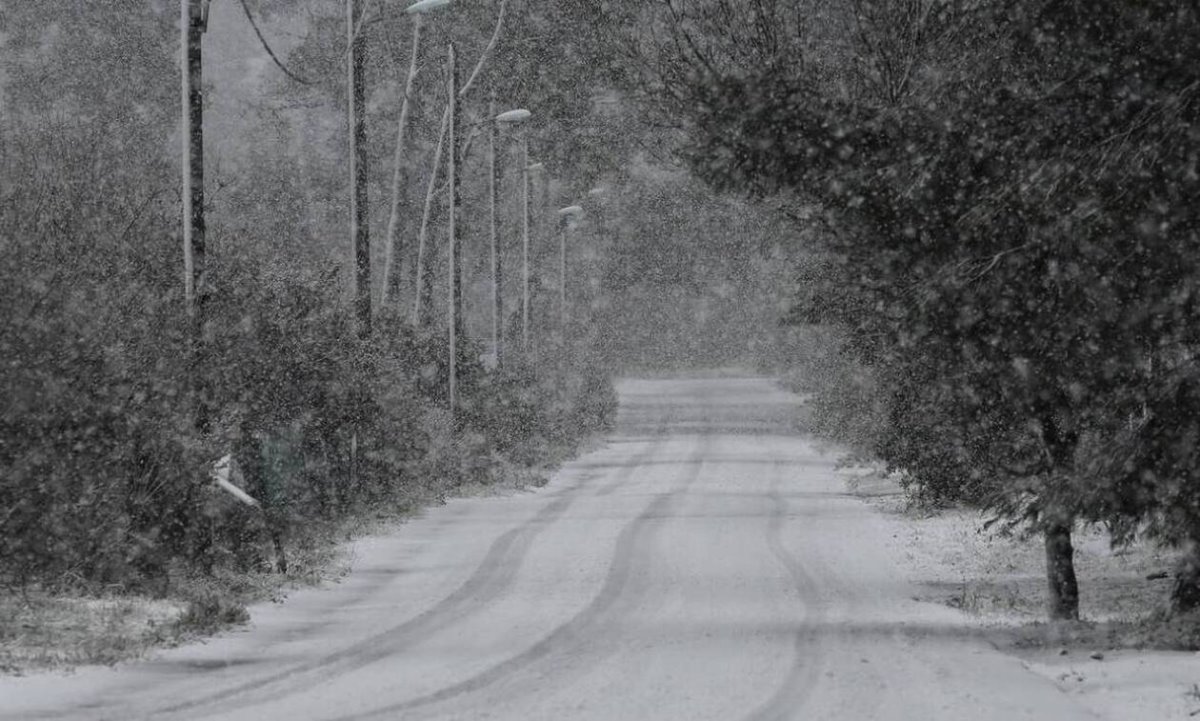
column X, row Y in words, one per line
column 704, row 563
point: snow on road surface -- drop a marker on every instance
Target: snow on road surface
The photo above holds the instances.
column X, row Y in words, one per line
column 706, row 563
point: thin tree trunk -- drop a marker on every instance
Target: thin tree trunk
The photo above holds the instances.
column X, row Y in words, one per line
column 281, row 561
column 1185, row 594
column 424, row 278
column 421, row 293
column 497, row 267
column 457, row 156
column 1060, row 571
column 525, row 242
column 192, row 26
column 455, row 297
column 393, row 228
column 359, row 228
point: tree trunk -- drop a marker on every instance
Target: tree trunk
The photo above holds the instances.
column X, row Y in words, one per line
column 422, row 296
column 493, row 237
column 359, row 229
column 1061, row 439
column 525, row 242
column 281, row 562
column 398, row 174
column 192, row 21
column 1185, row 594
column 458, row 127
column 455, row 298
column 1060, row 572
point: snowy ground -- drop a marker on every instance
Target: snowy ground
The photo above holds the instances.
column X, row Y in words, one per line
column 999, row 583
column 708, row 562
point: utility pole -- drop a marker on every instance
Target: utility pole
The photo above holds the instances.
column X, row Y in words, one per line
column 497, row 261
column 452, row 244
column 359, row 228
column 193, row 23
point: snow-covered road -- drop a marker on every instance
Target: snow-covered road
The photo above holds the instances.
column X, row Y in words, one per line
column 706, row 563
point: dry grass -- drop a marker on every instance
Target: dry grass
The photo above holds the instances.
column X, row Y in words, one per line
column 42, row 631
column 39, row 632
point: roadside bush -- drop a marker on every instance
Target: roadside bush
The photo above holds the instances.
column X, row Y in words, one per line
column 211, row 611
column 112, row 414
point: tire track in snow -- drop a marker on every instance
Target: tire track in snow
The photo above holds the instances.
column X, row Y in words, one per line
column 807, row 654
column 558, row 646
column 494, row 574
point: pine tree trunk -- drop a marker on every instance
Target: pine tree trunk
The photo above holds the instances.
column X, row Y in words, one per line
column 1185, row 594
column 1060, row 572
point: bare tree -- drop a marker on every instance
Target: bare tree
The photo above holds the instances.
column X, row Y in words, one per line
column 399, row 165
column 423, row 281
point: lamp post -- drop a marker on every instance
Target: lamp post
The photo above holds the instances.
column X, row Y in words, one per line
column 526, row 169
column 513, row 118
column 452, row 271
column 569, row 215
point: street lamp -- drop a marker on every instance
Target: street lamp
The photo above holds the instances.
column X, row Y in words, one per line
column 424, row 6
column 569, row 214
column 513, row 118
column 519, row 115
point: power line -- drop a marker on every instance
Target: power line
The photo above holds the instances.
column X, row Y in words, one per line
column 267, row 47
